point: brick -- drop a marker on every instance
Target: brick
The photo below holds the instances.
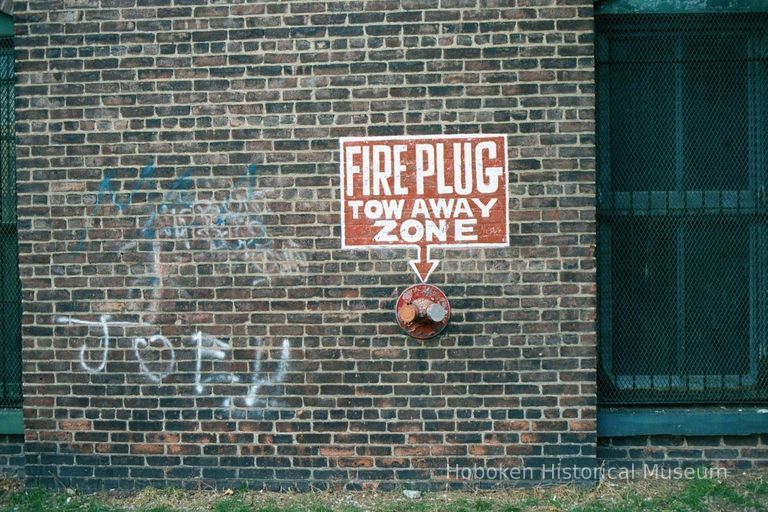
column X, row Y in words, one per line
column 199, row 242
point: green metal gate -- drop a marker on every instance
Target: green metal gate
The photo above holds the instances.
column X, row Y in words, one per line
column 682, row 102
column 10, row 294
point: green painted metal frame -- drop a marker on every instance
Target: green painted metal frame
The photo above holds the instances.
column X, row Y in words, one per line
column 681, row 422
column 604, row 251
column 6, row 25
column 692, row 421
column 11, row 420
column 678, row 6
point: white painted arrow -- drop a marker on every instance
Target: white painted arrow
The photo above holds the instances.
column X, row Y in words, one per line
column 424, row 265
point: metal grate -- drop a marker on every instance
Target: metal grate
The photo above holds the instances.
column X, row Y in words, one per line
column 682, row 111
column 10, row 294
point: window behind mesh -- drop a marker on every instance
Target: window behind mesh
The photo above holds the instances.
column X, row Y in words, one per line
column 681, row 111
column 10, row 296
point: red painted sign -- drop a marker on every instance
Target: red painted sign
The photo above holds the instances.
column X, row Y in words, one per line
column 424, row 191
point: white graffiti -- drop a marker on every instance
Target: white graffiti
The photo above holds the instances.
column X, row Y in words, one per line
column 211, row 225
column 210, row 348
column 157, row 290
column 142, row 343
column 205, row 347
column 257, row 381
column 104, row 323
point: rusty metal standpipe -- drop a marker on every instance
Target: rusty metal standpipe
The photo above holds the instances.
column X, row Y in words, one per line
column 423, row 311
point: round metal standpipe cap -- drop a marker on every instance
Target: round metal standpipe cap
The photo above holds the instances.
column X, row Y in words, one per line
column 423, row 311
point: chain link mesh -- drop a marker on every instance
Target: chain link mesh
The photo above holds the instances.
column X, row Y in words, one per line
column 682, row 211
column 10, row 295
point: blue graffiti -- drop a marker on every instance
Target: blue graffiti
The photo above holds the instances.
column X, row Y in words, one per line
column 106, row 188
column 251, row 179
column 181, row 211
column 148, row 231
column 178, row 202
column 183, row 182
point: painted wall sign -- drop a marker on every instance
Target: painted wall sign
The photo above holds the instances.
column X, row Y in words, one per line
column 424, row 192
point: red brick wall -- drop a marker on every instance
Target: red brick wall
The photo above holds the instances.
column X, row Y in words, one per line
column 11, row 455
column 734, row 453
column 178, row 191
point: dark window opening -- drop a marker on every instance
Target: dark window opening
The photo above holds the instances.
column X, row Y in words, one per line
column 682, row 208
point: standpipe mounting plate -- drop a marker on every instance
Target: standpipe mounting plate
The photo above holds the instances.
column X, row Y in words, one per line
column 422, row 311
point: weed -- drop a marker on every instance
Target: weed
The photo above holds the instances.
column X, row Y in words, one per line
column 651, row 495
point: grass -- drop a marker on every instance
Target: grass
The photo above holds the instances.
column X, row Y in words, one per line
column 734, row 494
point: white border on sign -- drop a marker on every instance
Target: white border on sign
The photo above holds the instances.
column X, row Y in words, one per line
column 342, row 140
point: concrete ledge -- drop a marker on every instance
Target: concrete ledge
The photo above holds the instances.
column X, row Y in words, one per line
column 682, row 422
